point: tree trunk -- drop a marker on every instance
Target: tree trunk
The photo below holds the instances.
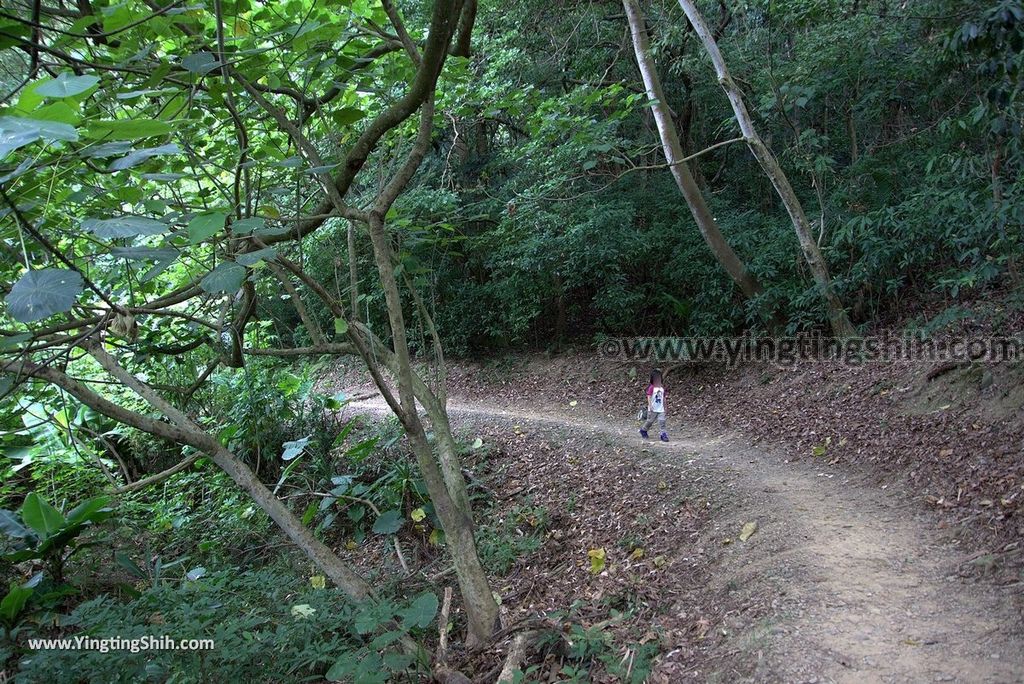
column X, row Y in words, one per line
column 997, row 203
column 315, row 335
column 840, row 322
column 353, row 272
column 435, row 405
column 674, row 155
column 481, row 609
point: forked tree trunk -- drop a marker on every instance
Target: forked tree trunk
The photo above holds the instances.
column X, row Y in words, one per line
column 481, row 609
column 434, row 403
column 674, row 155
column 840, row 322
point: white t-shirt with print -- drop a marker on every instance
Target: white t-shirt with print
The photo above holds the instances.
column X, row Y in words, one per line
column 658, row 399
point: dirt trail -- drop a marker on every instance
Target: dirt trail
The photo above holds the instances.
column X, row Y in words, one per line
column 868, row 588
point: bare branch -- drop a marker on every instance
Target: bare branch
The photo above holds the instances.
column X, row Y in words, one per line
column 403, row 35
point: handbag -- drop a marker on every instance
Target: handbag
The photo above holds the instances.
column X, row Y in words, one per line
column 641, row 415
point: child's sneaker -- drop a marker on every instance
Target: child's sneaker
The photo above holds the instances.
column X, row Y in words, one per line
column 643, row 433
column 664, row 436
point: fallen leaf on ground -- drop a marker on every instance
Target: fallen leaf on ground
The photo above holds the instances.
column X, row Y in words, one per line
column 748, row 529
column 302, row 611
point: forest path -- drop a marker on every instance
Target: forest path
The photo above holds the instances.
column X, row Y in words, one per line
column 869, row 589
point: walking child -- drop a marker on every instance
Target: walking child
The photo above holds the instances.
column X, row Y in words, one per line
column 655, row 405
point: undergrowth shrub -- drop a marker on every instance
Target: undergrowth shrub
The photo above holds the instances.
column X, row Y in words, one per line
column 267, row 625
column 510, row 536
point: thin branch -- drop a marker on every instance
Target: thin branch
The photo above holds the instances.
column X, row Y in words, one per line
column 159, row 477
column 403, row 35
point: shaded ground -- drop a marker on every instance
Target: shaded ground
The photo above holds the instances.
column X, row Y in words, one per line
column 842, row 581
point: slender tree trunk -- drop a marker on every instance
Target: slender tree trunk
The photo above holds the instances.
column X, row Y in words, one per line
column 435, row 404
column 481, row 609
column 353, row 272
column 461, row 46
column 674, row 155
column 840, row 322
column 997, row 202
column 300, row 306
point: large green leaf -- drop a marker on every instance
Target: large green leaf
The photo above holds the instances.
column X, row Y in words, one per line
column 11, row 32
column 67, row 85
column 57, row 111
column 421, row 612
column 158, row 268
column 110, row 149
column 343, row 667
column 43, row 518
column 128, row 129
column 205, row 226
column 22, row 168
column 347, row 116
column 17, row 132
column 293, row 449
column 248, row 225
column 90, row 510
column 225, row 279
column 42, row 293
column 137, row 157
column 13, row 603
column 252, row 258
column 144, row 253
column 11, row 526
column 388, row 522
column 124, row 227
column 200, row 63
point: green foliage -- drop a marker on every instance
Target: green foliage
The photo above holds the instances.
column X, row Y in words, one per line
column 148, row 195
column 542, row 229
column 12, row 607
column 45, row 534
column 267, row 407
column 266, row 625
column 379, row 475
column 591, row 653
column 199, row 515
column 51, row 449
column 511, row 536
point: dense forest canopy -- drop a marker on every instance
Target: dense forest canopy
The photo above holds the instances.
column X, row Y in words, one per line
column 205, row 202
